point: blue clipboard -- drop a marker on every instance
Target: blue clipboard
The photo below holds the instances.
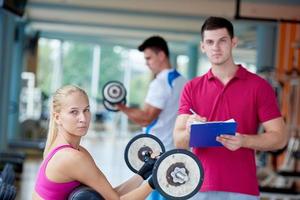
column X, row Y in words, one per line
column 204, row 134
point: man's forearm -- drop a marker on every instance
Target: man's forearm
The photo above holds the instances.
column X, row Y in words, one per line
column 275, row 137
column 180, row 134
column 268, row 141
column 181, row 139
column 136, row 115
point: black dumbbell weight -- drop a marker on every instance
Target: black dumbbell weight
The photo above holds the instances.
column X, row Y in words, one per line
column 83, row 193
column 8, row 174
column 139, row 148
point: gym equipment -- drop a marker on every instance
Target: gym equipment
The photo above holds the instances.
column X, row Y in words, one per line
column 7, row 178
column 111, row 107
column 7, row 191
column 280, row 178
column 16, row 159
column 140, row 148
column 9, row 154
column 83, row 193
column 16, row 162
column 113, row 92
column 178, row 174
column 8, row 174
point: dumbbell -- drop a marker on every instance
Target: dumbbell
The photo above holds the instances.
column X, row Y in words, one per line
column 83, row 193
column 8, row 174
column 7, row 191
column 177, row 174
column 18, row 155
column 140, row 148
column 114, row 92
column 149, row 144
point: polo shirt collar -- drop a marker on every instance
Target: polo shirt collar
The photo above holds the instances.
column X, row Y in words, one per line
column 164, row 71
column 240, row 74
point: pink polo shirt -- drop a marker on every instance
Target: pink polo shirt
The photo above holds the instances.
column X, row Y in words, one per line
column 249, row 100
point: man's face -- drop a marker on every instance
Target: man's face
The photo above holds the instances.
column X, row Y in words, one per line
column 153, row 60
column 218, row 45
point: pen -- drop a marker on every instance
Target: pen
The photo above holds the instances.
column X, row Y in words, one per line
column 192, row 111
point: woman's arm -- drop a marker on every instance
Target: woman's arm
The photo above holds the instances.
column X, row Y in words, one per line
column 83, row 169
column 143, row 174
column 129, row 185
column 139, row 193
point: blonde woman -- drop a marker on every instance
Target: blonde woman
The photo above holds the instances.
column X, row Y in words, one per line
column 66, row 164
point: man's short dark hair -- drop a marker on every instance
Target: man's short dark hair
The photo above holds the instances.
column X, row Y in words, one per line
column 213, row 23
column 156, row 43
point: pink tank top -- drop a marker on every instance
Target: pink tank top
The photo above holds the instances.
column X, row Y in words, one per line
column 48, row 189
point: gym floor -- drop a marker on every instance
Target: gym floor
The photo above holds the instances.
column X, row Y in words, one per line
column 107, row 149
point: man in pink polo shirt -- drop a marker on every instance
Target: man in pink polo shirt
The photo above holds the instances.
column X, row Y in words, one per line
column 229, row 91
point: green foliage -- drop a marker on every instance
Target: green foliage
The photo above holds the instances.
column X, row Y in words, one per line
column 77, row 68
column 45, row 67
column 139, row 86
column 77, row 64
column 110, row 69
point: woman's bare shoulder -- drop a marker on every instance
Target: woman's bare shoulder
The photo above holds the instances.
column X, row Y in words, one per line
column 65, row 159
column 71, row 155
column 35, row 196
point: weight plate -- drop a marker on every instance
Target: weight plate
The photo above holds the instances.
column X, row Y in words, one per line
column 111, row 107
column 189, row 168
column 114, row 92
column 83, row 193
column 136, row 148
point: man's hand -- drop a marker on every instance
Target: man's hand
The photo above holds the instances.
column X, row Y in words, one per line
column 232, row 142
column 121, row 106
column 193, row 118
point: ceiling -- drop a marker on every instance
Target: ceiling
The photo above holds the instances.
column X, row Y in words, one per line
column 129, row 22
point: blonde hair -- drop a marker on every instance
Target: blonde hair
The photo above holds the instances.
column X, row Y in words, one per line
column 56, row 106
